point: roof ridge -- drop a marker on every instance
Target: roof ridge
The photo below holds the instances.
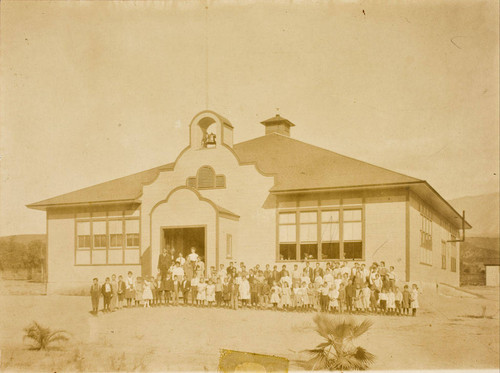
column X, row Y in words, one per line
column 331, row 151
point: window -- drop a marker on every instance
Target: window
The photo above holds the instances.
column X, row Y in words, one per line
column 132, row 239
column 83, row 235
column 453, row 259
column 330, row 239
column 288, row 236
column 229, row 246
column 206, row 179
column 425, row 235
column 353, row 245
column 443, row 254
column 101, row 238
column 323, row 241
column 116, row 240
column 309, row 235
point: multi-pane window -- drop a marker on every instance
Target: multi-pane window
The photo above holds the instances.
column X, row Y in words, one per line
column 309, row 235
column 353, row 247
column 330, row 235
column 453, row 257
column 288, row 236
column 425, row 235
column 107, row 238
column 323, row 241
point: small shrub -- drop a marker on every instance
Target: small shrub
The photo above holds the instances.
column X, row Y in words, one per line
column 42, row 337
column 338, row 351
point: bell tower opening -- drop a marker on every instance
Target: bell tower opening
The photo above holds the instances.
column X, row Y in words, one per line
column 209, row 130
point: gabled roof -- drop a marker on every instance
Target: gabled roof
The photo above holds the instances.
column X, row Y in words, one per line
column 123, row 189
column 301, row 166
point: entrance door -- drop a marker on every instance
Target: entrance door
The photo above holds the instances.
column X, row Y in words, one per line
column 183, row 239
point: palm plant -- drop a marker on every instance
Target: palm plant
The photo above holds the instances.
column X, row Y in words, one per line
column 338, row 351
column 43, row 337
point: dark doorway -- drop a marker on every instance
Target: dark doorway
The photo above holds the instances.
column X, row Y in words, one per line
column 183, row 239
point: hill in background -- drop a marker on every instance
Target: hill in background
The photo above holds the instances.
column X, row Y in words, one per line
column 482, row 212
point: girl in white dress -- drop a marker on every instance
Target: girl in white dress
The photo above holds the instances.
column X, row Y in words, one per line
column 414, row 299
column 201, row 295
column 285, row 295
column 391, row 302
column 210, row 293
column 147, row 294
column 275, row 295
column 244, row 292
column 333, row 294
column 305, row 296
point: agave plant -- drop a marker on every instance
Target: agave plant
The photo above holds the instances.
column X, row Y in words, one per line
column 338, row 351
column 43, row 337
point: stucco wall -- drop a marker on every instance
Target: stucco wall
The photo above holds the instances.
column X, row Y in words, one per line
column 424, row 274
column 245, row 194
column 63, row 275
column 385, row 231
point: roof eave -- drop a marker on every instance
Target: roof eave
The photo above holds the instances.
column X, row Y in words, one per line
column 44, row 207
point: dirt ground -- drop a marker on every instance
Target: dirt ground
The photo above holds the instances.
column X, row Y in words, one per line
column 448, row 333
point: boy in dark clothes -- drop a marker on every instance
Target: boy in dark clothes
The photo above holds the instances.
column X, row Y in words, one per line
column 106, row 294
column 350, row 294
column 95, row 292
column 185, row 287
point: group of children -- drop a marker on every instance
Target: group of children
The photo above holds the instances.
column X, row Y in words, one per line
column 336, row 288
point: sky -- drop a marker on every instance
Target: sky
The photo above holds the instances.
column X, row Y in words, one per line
column 95, row 90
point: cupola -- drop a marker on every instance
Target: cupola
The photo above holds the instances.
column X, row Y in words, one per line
column 278, row 124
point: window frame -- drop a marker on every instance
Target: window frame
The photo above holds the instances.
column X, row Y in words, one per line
column 319, row 209
column 106, row 238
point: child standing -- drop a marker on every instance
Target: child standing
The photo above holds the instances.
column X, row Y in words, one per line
column 218, row 292
column 107, row 294
column 311, row 296
column 139, row 290
column 129, row 289
column 226, row 291
column 305, row 296
column 406, row 300
column 324, row 299
column 414, row 300
column 382, row 300
column 391, row 302
column 342, row 300
column 210, row 293
column 275, row 295
column 201, row 295
column 121, row 291
column 244, row 292
column 114, row 292
column 285, row 295
column 333, row 296
column 147, row 294
column 350, row 295
column 175, row 289
column 195, row 281
column 95, row 293
column 365, row 297
column 398, row 300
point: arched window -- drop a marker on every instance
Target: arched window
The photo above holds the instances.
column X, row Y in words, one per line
column 206, row 177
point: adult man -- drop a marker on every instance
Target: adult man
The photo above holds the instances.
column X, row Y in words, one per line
column 284, row 271
column 318, row 271
column 231, row 270
column 268, row 274
column 193, row 258
column 164, row 263
column 309, row 271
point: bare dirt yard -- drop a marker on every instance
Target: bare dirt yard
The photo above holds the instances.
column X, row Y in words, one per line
column 448, row 333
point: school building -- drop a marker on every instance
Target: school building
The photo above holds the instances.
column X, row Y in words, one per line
column 270, row 200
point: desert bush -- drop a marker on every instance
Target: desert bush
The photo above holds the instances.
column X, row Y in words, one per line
column 42, row 337
column 338, row 351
